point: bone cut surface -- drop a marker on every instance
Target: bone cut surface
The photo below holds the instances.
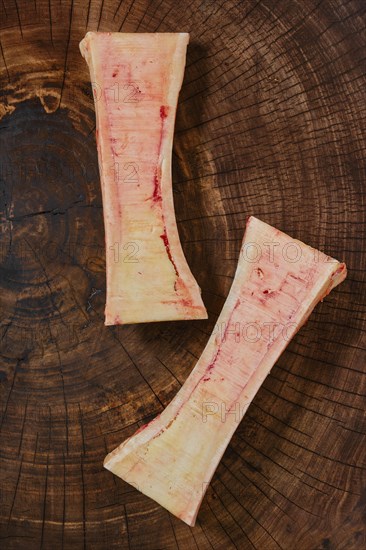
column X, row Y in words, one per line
column 136, row 80
column 277, row 284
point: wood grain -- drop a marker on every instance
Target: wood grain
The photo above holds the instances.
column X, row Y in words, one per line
column 271, row 122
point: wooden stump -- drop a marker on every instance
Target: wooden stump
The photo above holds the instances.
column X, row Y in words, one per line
column 271, row 122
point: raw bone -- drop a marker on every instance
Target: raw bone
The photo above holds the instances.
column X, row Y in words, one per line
column 277, row 284
column 136, row 79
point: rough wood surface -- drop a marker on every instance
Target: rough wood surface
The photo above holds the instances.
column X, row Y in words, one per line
column 271, row 122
